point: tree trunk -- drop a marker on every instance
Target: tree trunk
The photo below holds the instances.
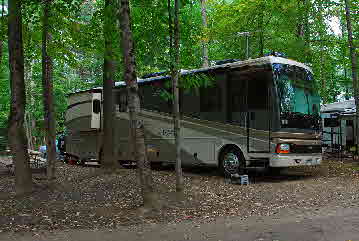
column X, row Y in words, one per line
column 170, row 31
column 137, row 131
column 18, row 142
column 307, row 32
column 176, row 109
column 303, row 26
column 29, row 101
column 354, row 69
column 27, row 130
column 261, row 34
column 321, row 34
column 322, row 74
column 48, row 97
column 108, row 83
column 205, row 26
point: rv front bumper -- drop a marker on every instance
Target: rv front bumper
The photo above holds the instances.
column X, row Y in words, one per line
column 291, row 160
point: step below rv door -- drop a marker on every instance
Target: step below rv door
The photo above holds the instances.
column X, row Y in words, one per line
column 96, row 111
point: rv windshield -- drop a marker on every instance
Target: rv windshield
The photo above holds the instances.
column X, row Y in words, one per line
column 299, row 103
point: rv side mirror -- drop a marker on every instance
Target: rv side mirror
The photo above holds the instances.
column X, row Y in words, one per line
column 96, row 106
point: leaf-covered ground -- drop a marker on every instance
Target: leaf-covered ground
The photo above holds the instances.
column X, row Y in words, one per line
column 86, row 198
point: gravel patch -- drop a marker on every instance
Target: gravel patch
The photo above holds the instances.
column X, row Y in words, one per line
column 88, row 198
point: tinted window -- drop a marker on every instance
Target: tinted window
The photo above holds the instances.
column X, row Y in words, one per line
column 155, row 97
column 96, row 105
column 258, row 84
column 210, row 99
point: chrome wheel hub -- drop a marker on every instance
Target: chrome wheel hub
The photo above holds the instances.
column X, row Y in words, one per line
column 231, row 163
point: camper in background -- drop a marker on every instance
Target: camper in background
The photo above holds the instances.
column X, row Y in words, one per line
column 338, row 121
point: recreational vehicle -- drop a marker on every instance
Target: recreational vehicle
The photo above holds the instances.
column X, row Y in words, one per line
column 260, row 112
column 338, row 120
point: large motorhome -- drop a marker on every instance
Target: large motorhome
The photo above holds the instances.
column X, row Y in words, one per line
column 258, row 112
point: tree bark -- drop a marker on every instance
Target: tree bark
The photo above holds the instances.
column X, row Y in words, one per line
column 303, row 32
column 205, row 26
column 108, row 84
column 261, row 34
column 137, row 132
column 48, row 98
column 176, row 109
column 29, row 102
column 354, row 69
column 170, row 31
column 18, row 142
column 27, row 130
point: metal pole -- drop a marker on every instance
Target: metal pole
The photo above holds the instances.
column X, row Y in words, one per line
column 246, row 34
column 247, row 46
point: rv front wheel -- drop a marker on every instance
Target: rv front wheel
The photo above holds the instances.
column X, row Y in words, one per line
column 231, row 161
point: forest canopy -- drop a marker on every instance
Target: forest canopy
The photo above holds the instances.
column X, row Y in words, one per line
column 312, row 32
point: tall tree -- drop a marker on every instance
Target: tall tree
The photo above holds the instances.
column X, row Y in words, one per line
column 108, row 83
column 204, row 41
column 137, row 132
column 48, row 98
column 354, row 67
column 18, row 142
column 176, row 108
column 174, row 66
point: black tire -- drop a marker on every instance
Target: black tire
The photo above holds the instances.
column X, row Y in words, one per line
column 81, row 162
column 234, row 154
column 66, row 159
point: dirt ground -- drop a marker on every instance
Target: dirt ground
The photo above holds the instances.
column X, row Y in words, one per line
column 86, row 198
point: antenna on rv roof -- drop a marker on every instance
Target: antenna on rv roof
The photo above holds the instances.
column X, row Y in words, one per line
column 247, row 35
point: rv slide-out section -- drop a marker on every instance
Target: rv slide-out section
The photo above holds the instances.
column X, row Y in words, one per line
column 83, row 124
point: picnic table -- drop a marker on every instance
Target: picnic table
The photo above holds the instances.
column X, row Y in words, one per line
column 36, row 161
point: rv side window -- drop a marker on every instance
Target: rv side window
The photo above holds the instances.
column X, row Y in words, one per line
column 96, row 106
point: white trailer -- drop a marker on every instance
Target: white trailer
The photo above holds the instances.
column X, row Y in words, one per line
column 338, row 121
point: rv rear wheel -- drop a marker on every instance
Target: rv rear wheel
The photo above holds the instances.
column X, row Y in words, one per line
column 231, row 161
column 66, row 159
column 81, row 162
column 100, row 156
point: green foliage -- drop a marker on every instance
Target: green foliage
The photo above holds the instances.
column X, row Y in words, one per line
column 77, row 44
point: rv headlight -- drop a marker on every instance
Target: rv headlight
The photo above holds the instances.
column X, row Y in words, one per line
column 283, row 148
